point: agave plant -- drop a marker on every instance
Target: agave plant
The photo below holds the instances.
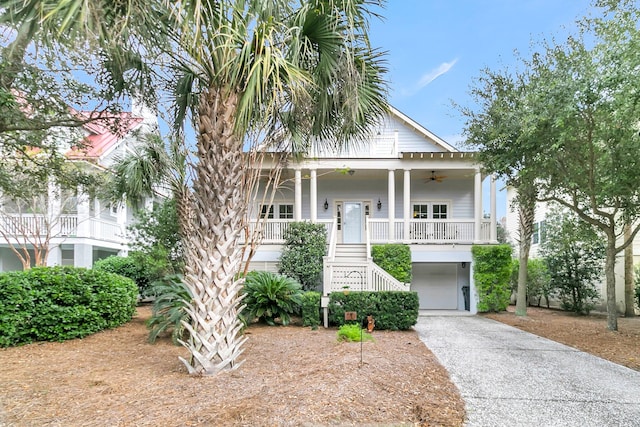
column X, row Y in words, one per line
column 270, row 296
column 168, row 313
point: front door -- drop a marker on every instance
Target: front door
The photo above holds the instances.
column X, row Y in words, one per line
column 352, row 223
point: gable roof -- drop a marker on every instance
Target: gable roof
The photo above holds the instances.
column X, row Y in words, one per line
column 421, row 129
column 103, row 134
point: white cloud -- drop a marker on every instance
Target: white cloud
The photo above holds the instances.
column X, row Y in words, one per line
column 435, row 73
column 432, row 75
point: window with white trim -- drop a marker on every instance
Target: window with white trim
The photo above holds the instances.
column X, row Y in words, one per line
column 439, row 211
column 264, row 213
column 421, row 211
column 285, row 211
column 539, row 234
column 430, row 210
column 277, row 210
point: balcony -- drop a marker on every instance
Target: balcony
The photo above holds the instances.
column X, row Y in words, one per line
column 63, row 226
column 445, row 231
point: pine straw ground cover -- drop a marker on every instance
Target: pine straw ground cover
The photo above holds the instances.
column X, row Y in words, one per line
column 586, row 333
column 291, row 376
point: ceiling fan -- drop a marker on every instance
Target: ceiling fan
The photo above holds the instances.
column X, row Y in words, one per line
column 436, row 178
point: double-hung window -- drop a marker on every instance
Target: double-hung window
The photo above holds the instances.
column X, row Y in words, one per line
column 277, row 211
column 430, row 210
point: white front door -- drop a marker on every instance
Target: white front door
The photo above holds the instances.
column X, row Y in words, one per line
column 352, row 223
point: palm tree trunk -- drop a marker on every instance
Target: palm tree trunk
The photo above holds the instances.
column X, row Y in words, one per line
column 213, row 255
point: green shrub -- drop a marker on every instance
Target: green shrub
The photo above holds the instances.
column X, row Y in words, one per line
column 311, row 309
column 353, row 333
column 270, row 296
column 61, row 303
column 169, row 308
column 133, row 268
column 391, row 309
column 156, row 234
column 491, row 273
column 395, row 259
column 301, row 259
column 538, row 281
column 574, row 254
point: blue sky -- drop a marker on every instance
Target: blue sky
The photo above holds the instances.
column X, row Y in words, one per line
column 437, row 47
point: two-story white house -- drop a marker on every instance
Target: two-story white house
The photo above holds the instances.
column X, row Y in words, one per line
column 403, row 185
column 80, row 229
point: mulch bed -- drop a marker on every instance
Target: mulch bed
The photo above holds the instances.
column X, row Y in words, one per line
column 291, row 376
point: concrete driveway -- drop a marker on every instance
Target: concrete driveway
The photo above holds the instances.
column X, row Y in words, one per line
column 508, row 377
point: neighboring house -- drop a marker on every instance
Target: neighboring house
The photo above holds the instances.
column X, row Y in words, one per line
column 81, row 230
column 403, row 185
column 539, row 236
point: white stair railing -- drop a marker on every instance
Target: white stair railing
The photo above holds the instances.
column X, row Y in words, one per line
column 356, row 276
column 327, row 271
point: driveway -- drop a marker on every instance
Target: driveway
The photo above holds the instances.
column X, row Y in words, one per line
column 508, row 377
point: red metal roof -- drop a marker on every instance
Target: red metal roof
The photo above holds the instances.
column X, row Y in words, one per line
column 103, row 133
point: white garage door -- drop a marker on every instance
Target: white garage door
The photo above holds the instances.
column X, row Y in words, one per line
column 436, row 285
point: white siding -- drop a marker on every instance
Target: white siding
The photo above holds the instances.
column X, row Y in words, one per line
column 263, row 266
column 409, row 140
column 371, row 186
column 381, row 143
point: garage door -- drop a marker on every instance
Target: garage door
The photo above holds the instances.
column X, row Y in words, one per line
column 436, row 285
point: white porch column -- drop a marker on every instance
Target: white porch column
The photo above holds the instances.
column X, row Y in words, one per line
column 54, row 209
column 391, row 201
column 493, row 237
column 477, row 192
column 313, row 196
column 121, row 219
column 297, row 203
column 54, row 257
column 83, row 228
column 407, row 204
column 82, row 255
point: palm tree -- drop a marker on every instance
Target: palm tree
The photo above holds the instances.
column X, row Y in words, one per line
column 247, row 70
column 153, row 168
column 266, row 67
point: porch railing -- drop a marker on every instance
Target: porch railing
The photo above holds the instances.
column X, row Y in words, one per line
column 428, row 231
column 105, row 230
column 421, row 231
column 62, row 226
column 273, row 230
column 359, row 276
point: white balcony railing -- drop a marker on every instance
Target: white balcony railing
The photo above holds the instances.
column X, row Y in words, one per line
column 425, row 231
column 18, row 226
column 106, row 230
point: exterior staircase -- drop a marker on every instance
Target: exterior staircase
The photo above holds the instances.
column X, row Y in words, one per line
column 350, row 268
column 353, row 252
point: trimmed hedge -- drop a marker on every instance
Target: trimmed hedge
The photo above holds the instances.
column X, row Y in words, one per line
column 391, row 309
column 305, row 245
column 395, row 259
column 61, row 303
column 311, row 309
column 491, row 273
